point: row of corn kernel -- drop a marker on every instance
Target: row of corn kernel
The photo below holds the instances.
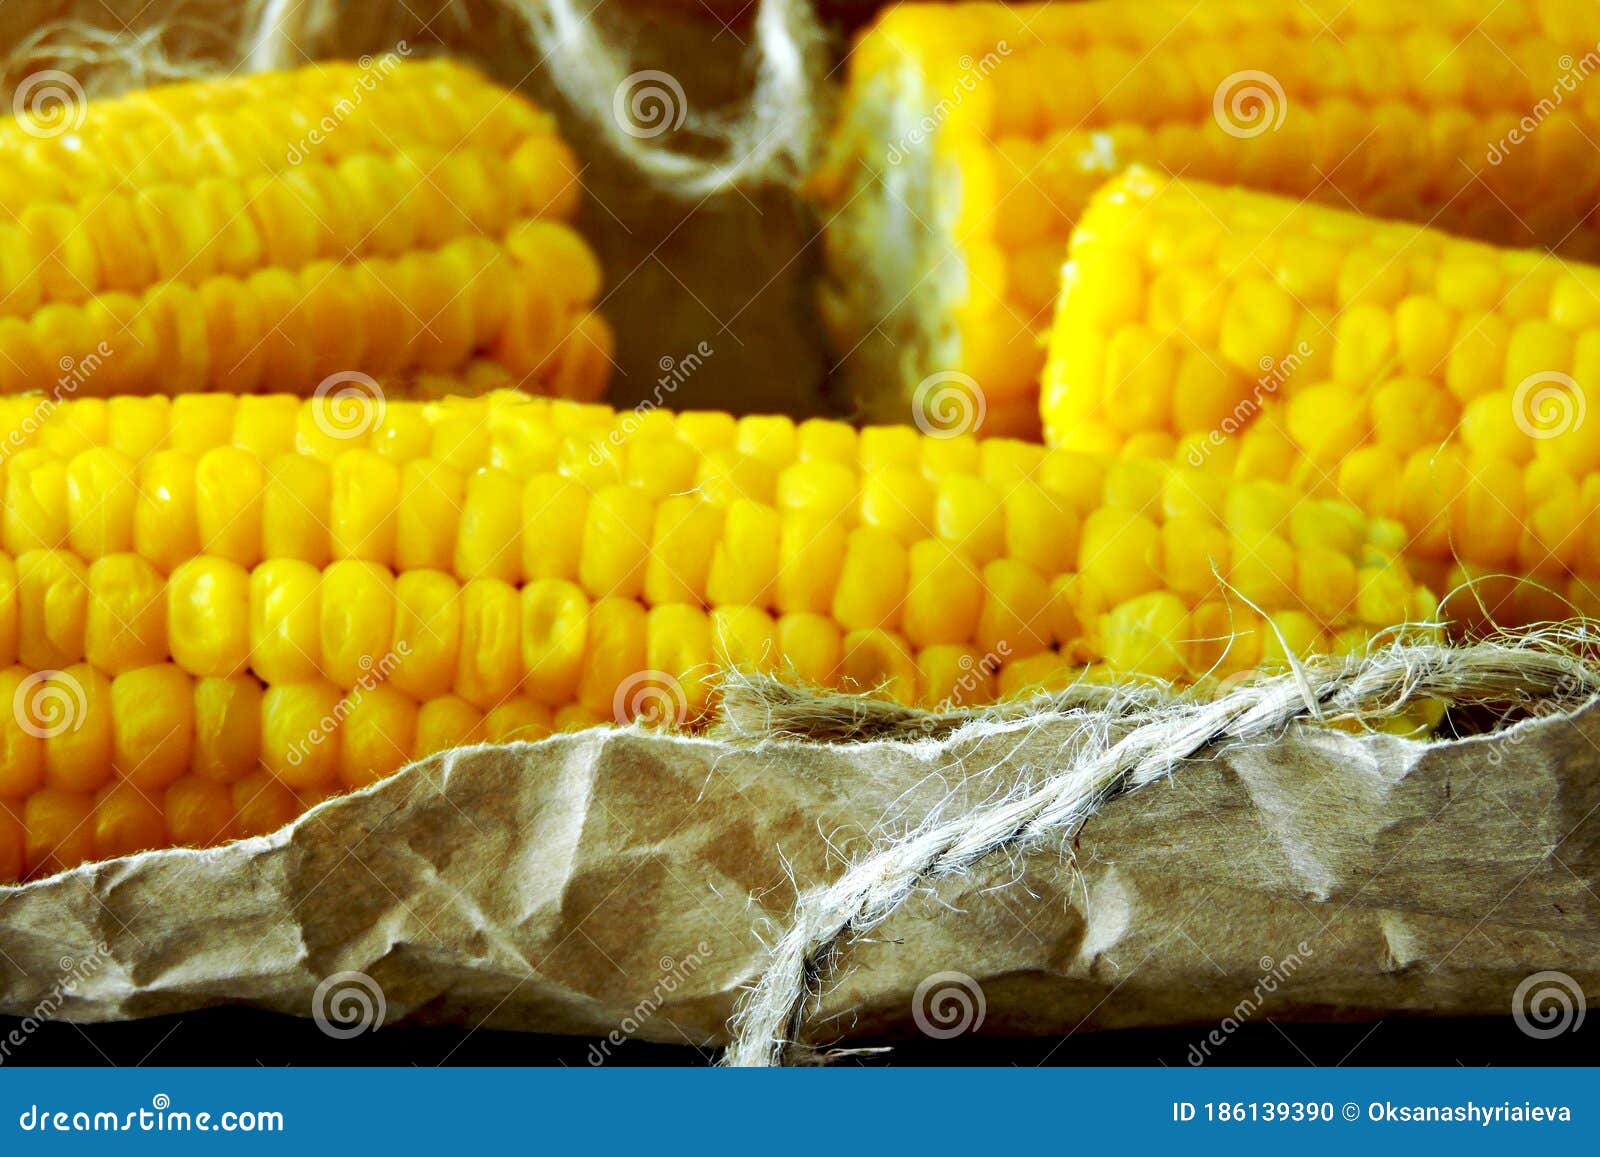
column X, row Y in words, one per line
column 1536, row 519
column 367, row 206
column 52, row 830
column 77, row 730
column 62, row 608
column 271, row 122
column 513, row 431
column 292, row 328
column 56, row 810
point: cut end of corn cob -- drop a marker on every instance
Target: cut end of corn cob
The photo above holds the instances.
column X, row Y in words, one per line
column 1435, row 381
column 262, row 234
column 215, row 611
column 972, row 136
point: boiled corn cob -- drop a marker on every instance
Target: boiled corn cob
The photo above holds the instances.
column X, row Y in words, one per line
column 973, row 135
column 1424, row 378
column 238, row 610
column 262, row 234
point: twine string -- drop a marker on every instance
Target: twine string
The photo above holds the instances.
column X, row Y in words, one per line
column 768, row 138
column 1120, row 748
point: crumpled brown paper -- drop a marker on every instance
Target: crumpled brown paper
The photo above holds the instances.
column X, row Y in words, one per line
column 622, row 882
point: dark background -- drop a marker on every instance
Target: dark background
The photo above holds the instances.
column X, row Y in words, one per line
column 236, row 1036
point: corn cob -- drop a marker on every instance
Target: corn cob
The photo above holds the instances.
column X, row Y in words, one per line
column 240, row 608
column 1424, row 378
column 972, row 136
column 262, row 234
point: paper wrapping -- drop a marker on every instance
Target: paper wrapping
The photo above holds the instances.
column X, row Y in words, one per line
column 622, row 882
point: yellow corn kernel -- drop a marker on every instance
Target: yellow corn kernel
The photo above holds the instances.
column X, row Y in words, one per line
column 554, row 513
column 1041, row 529
column 616, row 653
column 810, row 648
column 745, row 562
column 952, row 676
column 296, row 501
column 879, row 662
column 21, row 734
column 687, row 533
column 286, row 621
column 58, row 830
column 899, row 500
column 678, row 650
column 489, row 543
column 970, row 514
column 1014, row 622
column 36, row 506
column 261, row 804
column 427, row 634
column 871, row 590
column 1147, row 634
column 429, row 514
column 944, row 594
column 73, row 711
column 227, row 728
column 810, row 552
column 446, row 722
column 1263, row 569
column 52, row 597
column 127, row 614
column 377, row 737
column 153, row 715
column 166, row 526
column 229, row 484
column 1120, row 550
column 554, row 638
column 301, row 733
column 743, row 638
column 518, row 720
column 208, row 617
column 199, row 813
column 102, row 493
column 490, row 665
column 616, row 543
column 357, row 622
column 365, row 492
